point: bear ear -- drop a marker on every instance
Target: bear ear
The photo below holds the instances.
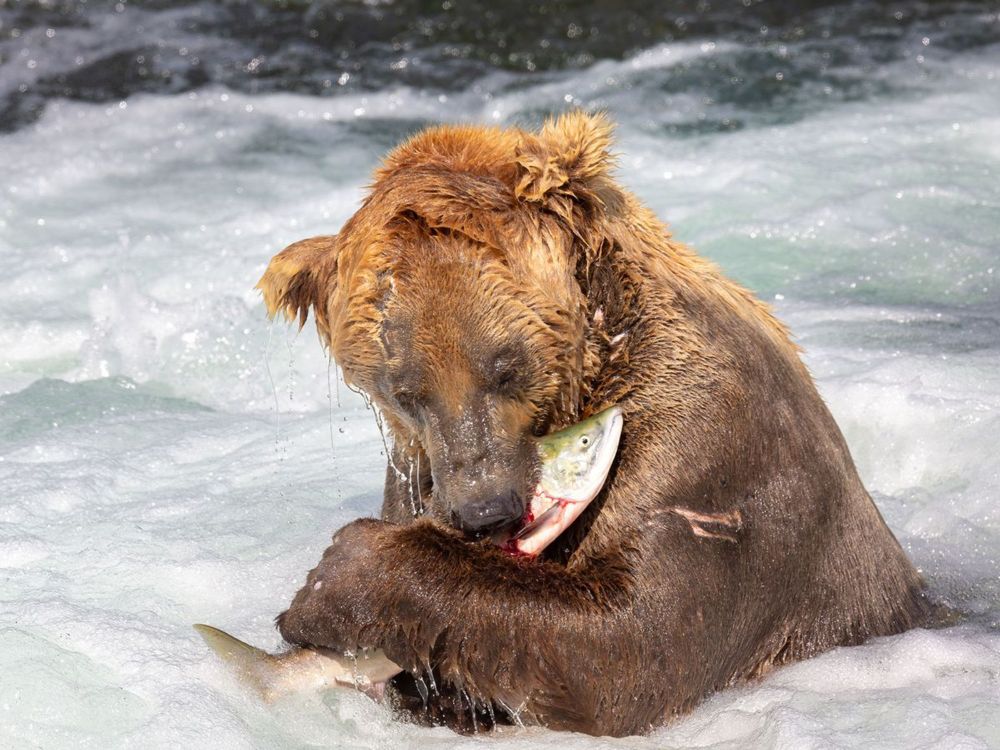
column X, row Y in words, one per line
column 300, row 277
column 567, row 154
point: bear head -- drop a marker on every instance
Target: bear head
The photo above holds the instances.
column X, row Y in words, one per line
column 456, row 299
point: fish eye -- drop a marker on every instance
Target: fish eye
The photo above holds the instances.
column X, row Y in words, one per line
column 585, row 441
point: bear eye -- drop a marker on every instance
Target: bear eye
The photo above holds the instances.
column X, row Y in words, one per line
column 408, row 400
column 506, row 381
column 506, row 371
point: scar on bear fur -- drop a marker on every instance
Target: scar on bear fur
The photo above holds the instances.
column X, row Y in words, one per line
column 497, row 284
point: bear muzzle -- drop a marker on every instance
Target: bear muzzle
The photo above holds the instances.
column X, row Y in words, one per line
column 481, row 516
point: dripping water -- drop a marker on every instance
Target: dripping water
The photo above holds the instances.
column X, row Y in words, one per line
column 514, row 714
column 279, row 448
column 416, row 500
column 472, row 710
column 333, row 441
column 270, row 375
column 421, row 689
column 289, row 341
column 386, row 443
column 430, row 679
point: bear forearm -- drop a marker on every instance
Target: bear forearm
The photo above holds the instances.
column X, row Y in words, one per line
column 505, row 630
column 501, row 628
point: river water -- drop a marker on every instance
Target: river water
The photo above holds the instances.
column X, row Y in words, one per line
column 167, row 456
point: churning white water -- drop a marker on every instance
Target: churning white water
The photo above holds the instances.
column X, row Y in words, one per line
column 167, row 456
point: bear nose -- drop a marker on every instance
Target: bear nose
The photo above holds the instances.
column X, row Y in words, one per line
column 486, row 515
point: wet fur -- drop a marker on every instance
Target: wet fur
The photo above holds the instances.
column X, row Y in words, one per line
column 733, row 534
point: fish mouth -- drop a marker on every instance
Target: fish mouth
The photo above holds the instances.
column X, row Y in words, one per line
column 552, row 510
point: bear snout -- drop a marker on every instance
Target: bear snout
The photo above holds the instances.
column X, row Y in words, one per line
column 488, row 514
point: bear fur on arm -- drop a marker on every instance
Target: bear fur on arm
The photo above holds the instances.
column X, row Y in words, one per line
column 497, row 284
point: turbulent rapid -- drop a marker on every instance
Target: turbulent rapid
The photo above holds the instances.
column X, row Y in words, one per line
column 168, row 456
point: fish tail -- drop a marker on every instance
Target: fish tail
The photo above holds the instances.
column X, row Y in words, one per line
column 253, row 666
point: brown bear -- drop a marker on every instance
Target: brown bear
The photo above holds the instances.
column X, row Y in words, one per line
column 497, row 284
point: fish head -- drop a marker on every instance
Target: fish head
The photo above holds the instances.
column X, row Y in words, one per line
column 574, row 462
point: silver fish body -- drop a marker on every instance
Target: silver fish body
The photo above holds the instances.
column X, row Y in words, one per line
column 299, row 669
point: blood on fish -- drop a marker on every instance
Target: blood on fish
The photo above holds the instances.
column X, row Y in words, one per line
column 510, row 546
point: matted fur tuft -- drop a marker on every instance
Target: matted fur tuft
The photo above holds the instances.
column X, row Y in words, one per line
column 566, row 154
